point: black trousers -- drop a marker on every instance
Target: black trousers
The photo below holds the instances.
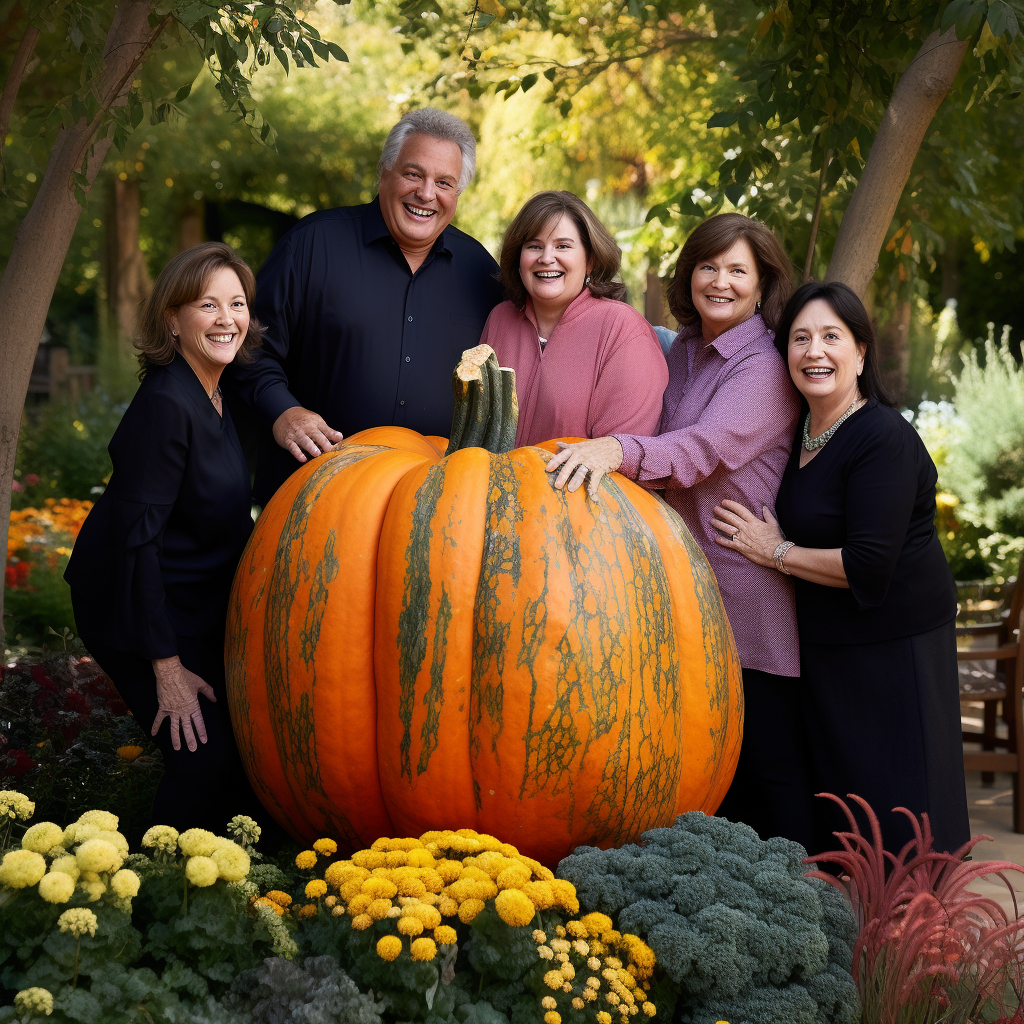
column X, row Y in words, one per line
column 204, row 788
column 771, row 791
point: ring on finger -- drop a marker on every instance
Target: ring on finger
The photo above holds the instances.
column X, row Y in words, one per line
column 734, row 536
column 578, row 468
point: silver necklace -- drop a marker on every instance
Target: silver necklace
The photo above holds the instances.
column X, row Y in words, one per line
column 813, row 443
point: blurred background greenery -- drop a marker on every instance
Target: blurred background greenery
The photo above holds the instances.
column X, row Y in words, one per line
column 947, row 294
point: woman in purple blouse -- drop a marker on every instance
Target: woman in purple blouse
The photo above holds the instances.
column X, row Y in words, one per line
column 726, row 431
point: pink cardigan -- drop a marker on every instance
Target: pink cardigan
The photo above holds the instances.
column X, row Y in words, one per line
column 601, row 373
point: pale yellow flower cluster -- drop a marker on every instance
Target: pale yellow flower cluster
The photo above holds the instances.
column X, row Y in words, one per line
column 86, row 856
column 416, row 883
column 209, row 857
column 31, row 1001
column 15, row 805
column 596, row 968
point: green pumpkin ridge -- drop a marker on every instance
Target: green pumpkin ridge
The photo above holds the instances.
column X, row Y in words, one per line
column 491, row 630
column 414, row 618
column 433, row 699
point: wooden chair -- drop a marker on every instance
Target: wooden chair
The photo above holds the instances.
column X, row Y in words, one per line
column 994, row 676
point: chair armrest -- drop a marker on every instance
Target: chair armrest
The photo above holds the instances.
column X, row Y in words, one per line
column 987, row 653
column 980, row 629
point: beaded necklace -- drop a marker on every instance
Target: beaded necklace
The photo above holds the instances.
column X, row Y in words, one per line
column 813, row 443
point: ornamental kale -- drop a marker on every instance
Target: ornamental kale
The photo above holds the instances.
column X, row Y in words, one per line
column 740, row 931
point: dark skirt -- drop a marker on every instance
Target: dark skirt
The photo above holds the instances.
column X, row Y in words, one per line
column 771, row 790
column 882, row 720
column 203, row 788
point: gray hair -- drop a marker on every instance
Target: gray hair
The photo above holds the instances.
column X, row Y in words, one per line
column 440, row 125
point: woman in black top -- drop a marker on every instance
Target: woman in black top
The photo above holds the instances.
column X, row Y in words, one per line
column 875, row 597
column 151, row 570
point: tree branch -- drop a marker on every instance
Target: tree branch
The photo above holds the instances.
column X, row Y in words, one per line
column 815, row 220
column 14, row 79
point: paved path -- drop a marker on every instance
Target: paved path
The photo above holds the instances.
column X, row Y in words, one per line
column 992, row 815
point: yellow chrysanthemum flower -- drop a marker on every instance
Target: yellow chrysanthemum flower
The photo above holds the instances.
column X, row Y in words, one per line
column 445, row 935
column 582, row 947
column 430, row 917
column 514, row 907
column 395, row 858
column 306, row 912
column 56, row 887
column 389, row 947
column 379, row 909
column 395, row 912
column 342, row 872
column 198, row 842
column 377, row 887
column 67, row 865
column 612, row 998
column 232, row 862
column 423, row 949
column 410, row 926
column 305, row 860
column 358, row 904
column 552, row 1017
column 265, row 901
column 560, row 945
column 589, row 995
column 93, row 888
column 361, row 922
column 449, row 870
column 369, row 859
column 545, row 953
column 162, row 837
column 548, row 1003
column 577, row 1003
column 650, row 1010
column 125, row 884
column 568, row 971
column 604, row 1017
column 326, row 847
column 201, row 871
column 78, row 921
column 565, row 895
column 22, row 868
column 597, row 924
column 34, row 1001
column 101, row 819
column 447, row 906
column 540, row 894
column 594, row 983
column 315, row 888
column 560, row 931
column 420, row 858
column 282, row 899
column 131, row 752
column 16, row 805
column 469, row 909
column 42, row 837
column 539, row 936
column 409, row 885
column 554, row 979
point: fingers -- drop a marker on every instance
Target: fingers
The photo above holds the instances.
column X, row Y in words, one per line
column 723, row 527
column 567, row 471
column 295, row 450
column 190, row 736
column 596, row 476
column 200, row 725
column 160, row 716
column 578, row 476
column 207, row 691
column 768, row 517
column 556, row 460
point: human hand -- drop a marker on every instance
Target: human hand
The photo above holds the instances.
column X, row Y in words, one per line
column 302, row 431
column 744, row 532
column 575, row 461
column 177, row 698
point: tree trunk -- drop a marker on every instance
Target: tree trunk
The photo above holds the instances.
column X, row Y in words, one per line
column 894, row 352
column 43, row 237
column 128, row 281
column 922, row 88
column 190, row 224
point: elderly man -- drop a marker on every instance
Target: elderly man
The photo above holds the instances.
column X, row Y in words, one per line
column 368, row 308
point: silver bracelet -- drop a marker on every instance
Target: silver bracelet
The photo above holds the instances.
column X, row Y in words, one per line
column 780, row 556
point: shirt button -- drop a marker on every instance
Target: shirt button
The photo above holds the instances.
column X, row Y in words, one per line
column 402, row 402
column 408, row 359
column 410, row 319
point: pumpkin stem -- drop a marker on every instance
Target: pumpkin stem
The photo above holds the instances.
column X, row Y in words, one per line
column 486, row 408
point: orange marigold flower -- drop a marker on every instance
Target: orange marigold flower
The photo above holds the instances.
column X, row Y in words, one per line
column 423, row 949
column 130, row 753
column 282, row 899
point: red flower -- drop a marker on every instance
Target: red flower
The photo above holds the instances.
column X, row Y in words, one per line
column 40, row 678
column 22, row 763
column 31, row 480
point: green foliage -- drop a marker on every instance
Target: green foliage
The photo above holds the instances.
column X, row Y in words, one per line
column 740, row 931
column 35, row 611
column 985, row 462
column 62, row 449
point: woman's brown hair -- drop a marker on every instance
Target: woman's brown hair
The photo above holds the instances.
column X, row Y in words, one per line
column 184, row 280
column 537, row 213
column 715, row 236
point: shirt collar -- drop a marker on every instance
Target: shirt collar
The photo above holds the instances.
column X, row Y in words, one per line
column 732, row 340
column 579, row 305
column 374, row 229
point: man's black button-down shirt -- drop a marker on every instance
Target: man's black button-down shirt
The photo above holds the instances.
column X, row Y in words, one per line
column 357, row 337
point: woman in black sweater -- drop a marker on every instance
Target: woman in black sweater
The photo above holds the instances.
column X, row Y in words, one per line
column 876, row 601
column 151, row 570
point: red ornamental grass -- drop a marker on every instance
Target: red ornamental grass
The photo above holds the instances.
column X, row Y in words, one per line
column 928, row 949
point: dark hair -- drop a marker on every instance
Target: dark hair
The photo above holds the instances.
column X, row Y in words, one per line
column 715, row 236
column 537, row 213
column 846, row 305
column 183, row 280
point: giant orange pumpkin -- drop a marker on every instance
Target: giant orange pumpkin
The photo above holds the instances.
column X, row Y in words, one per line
column 419, row 641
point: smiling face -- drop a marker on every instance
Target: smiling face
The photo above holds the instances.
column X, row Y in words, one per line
column 824, row 357
column 211, row 329
column 554, row 265
column 418, row 195
column 726, row 289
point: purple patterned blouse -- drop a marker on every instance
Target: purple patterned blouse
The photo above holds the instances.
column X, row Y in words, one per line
column 726, row 431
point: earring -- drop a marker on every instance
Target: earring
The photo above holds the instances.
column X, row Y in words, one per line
column 174, row 333
column 757, row 305
column 587, row 280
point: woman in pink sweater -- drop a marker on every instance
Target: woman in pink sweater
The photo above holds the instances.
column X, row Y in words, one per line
column 587, row 364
